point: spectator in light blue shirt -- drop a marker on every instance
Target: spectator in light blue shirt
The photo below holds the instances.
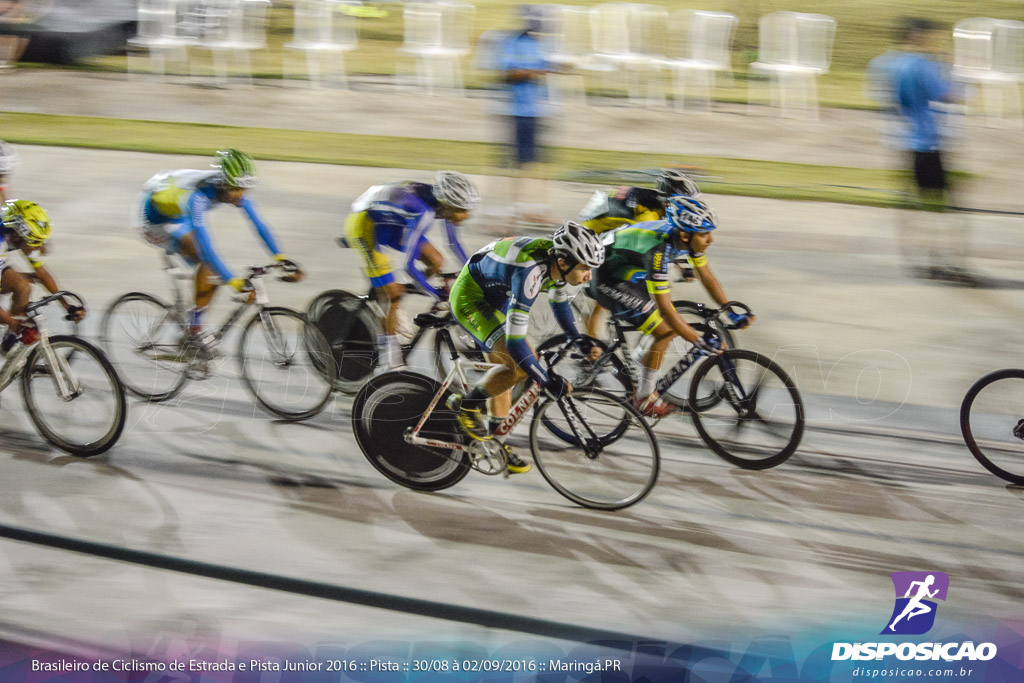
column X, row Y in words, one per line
column 525, row 65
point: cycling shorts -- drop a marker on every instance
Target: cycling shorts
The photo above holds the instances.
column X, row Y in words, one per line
column 479, row 318
column 361, row 235
column 628, row 301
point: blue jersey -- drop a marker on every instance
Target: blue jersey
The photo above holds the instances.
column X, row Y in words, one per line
column 402, row 214
column 914, row 81
column 184, row 197
column 512, row 272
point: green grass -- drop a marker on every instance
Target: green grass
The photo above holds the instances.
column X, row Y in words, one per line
column 723, row 176
column 864, row 31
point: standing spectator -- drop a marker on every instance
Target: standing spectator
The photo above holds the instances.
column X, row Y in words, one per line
column 525, row 65
column 910, row 81
column 8, row 162
column 12, row 46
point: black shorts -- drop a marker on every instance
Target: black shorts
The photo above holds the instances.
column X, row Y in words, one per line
column 525, row 128
column 929, row 173
column 630, row 302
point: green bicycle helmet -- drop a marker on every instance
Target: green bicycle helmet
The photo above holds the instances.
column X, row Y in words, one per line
column 237, row 168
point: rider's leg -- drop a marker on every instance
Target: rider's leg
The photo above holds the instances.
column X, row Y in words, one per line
column 650, row 365
column 389, row 348
column 16, row 284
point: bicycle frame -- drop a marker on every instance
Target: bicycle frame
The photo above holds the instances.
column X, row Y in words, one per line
column 67, row 386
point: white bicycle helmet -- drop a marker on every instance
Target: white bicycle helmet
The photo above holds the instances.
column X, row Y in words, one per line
column 672, row 181
column 456, row 190
column 8, row 158
column 579, row 243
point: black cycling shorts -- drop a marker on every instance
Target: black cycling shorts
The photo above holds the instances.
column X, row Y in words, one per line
column 929, row 173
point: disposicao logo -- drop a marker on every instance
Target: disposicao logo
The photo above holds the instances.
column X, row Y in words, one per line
column 916, row 592
column 913, row 615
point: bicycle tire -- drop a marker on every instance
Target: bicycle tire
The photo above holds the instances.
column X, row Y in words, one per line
column 145, row 346
column 385, row 407
column 602, row 482
column 739, row 406
column 297, row 348
column 95, row 376
column 989, row 436
column 351, row 329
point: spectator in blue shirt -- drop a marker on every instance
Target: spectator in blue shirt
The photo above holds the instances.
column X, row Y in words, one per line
column 912, row 81
column 525, row 66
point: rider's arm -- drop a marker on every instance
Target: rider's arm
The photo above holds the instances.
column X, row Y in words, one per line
column 197, row 206
column 525, row 288
column 417, row 235
column 708, row 279
column 454, row 244
column 261, row 228
column 658, row 287
column 558, row 297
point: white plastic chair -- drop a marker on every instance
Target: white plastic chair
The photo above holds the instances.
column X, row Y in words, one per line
column 701, row 47
column 628, row 38
column 160, row 34
column 989, row 53
column 324, row 31
column 794, row 48
column 571, row 50
column 437, row 39
column 233, row 28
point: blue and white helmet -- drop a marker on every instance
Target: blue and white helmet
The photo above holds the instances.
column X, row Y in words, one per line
column 690, row 215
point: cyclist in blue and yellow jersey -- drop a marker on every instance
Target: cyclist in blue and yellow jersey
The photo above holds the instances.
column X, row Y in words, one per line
column 491, row 299
column 633, row 284
column 25, row 226
column 171, row 213
column 627, row 205
column 399, row 216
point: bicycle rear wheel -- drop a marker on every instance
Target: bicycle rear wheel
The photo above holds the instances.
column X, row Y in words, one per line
column 351, row 330
column 386, row 408
column 619, row 471
column 286, row 363
column 143, row 336
column 989, row 415
column 758, row 419
column 86, row 420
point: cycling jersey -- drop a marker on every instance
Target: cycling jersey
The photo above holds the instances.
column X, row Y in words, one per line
column 174, row 204
column 623, row 206
column 635, row 269
column 496, row 290
column 397, row 215
column 34, row 257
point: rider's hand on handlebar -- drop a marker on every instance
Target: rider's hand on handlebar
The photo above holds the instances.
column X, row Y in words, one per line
column 591, row 351
column 557, row 386
column 740, row 320
column 240, row 284
column 76, row 313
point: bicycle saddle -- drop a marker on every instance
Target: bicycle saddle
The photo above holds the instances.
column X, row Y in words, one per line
column 430, row 320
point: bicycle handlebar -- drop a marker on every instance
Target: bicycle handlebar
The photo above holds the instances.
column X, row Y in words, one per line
column 62, row 294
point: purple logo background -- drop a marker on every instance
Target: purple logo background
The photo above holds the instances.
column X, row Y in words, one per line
column 914, row 611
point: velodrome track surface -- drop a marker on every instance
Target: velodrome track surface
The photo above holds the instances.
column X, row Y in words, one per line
column 881, row 483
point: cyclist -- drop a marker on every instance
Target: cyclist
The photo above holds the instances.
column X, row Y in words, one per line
column 399, row 215
column 627, row 205
column 633, row 284
column 491, row 299
column 8, row 162
column 171, row 213
column 25, row 227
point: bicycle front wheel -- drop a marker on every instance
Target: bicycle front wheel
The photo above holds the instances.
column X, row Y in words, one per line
column 74, row 396
column 992, row 411
column 143, row 337
column 286, row 363
column 757, row 420
column 595, row 449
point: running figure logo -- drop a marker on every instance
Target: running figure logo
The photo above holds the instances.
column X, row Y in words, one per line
column 914, row 612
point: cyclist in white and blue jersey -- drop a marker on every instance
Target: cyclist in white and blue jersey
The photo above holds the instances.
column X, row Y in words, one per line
column 171, row 213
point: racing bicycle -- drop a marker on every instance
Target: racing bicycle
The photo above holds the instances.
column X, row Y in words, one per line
column 285, row 362
column 992, row 423
column 744, row 406
column 71, row 390
column 590, row 446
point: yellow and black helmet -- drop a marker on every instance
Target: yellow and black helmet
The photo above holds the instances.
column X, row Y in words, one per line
column 28, row 219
